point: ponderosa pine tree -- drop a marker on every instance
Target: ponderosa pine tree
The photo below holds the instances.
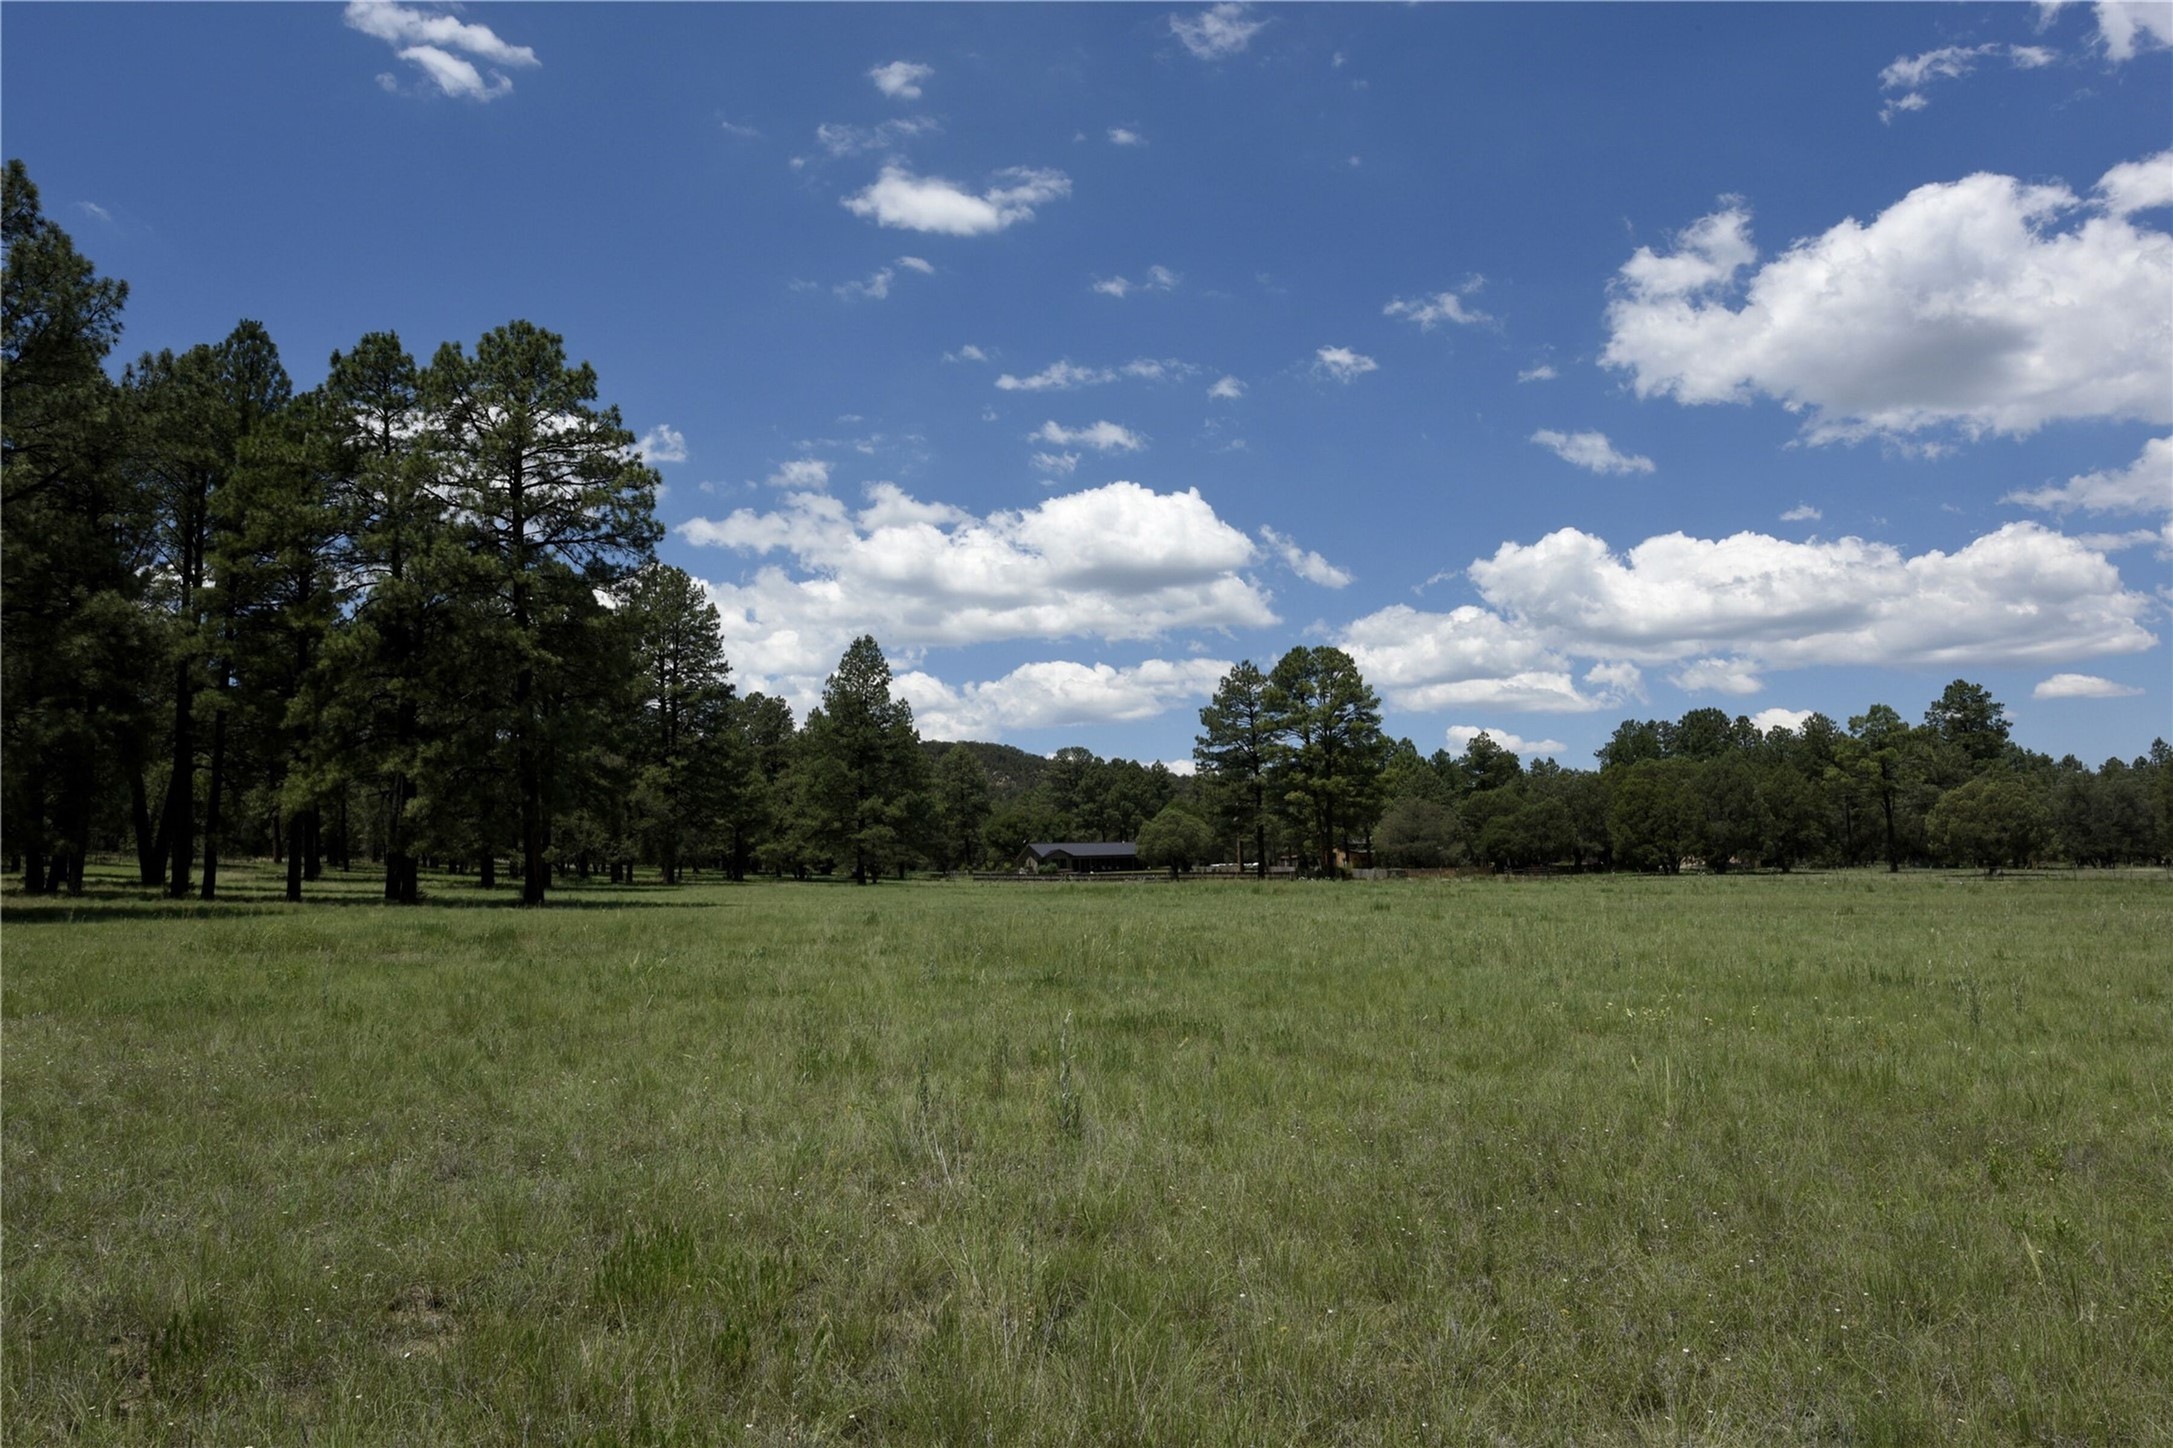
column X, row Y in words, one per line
column 281, row 561
column 764, row 732
column 684, row 761
column 402, row 555
column 1233, row 751
column 73, row 648
column 189, row 416
column 860, row 766
column 1329, row 752
column 1877, row 755
column 555, row 504
column 961, row 808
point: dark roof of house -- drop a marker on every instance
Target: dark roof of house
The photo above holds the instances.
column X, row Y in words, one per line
column 1081, row 850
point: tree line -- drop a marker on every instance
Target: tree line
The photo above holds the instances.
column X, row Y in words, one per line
column 413, row 618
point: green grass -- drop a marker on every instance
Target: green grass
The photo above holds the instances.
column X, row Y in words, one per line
column 1825, row 1159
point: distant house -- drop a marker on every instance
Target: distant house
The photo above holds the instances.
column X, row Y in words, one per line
column 1080, row 858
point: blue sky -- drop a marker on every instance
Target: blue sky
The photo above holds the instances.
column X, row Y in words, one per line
column 1564, row 363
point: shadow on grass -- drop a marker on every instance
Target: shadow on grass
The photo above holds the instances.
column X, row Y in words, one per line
column 94, row 905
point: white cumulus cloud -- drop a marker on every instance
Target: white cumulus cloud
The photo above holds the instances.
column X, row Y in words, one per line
column 2144, row 486
column 1722, row 613
column 2134, row 186
column 2081, row 686
column 1802, row 513
column 2019, row 594
column 1544, row 372
column 2127, row 28
column 1459, row 737
column 1717, row 675
column 1590, row 451
column 901, row 79
column 900, row 199
column 1116, row 562
column 1057, row 692
column 1979, row 305
column 1768, row 720
column 1342, row 364
column 663, row 444
column 1125, row 136
column 440, row 46
column 1218, row 31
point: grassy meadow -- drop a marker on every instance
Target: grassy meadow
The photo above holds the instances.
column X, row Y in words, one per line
column 1827, row 1158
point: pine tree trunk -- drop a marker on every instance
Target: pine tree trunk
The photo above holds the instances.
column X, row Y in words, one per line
column 179, row 822
column 400, row 866
column 210, row 888
column 1893, row 853
column 535, row 826
column 150, row 862
column 311, row 839
column 294, row 857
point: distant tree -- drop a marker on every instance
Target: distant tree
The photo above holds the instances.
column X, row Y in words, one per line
column 961, row 808
column 1538, row 831
column 753, row 806
column 1583, row 794
column 1419, row 833
column 1705, row 734
column 1029, row 819
column 1652, row 816
column 1995, row 820
column 556, row 505
column 1734, row 819
column 1796, row 827
column 1407, row 773
column 1633, row 742
column 1177, row 838
column 1233, row 751
column 1073, row 786
column 1480, row 808
column 1485, row 764
column 860, row 765
column 684, row 758
column 396, row 666
column 277, row 559
column 1967, row 717
column 1131, row 793
column 1878, row 754
column 1329, row 752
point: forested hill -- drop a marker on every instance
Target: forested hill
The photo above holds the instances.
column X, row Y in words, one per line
column 1012, row 772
